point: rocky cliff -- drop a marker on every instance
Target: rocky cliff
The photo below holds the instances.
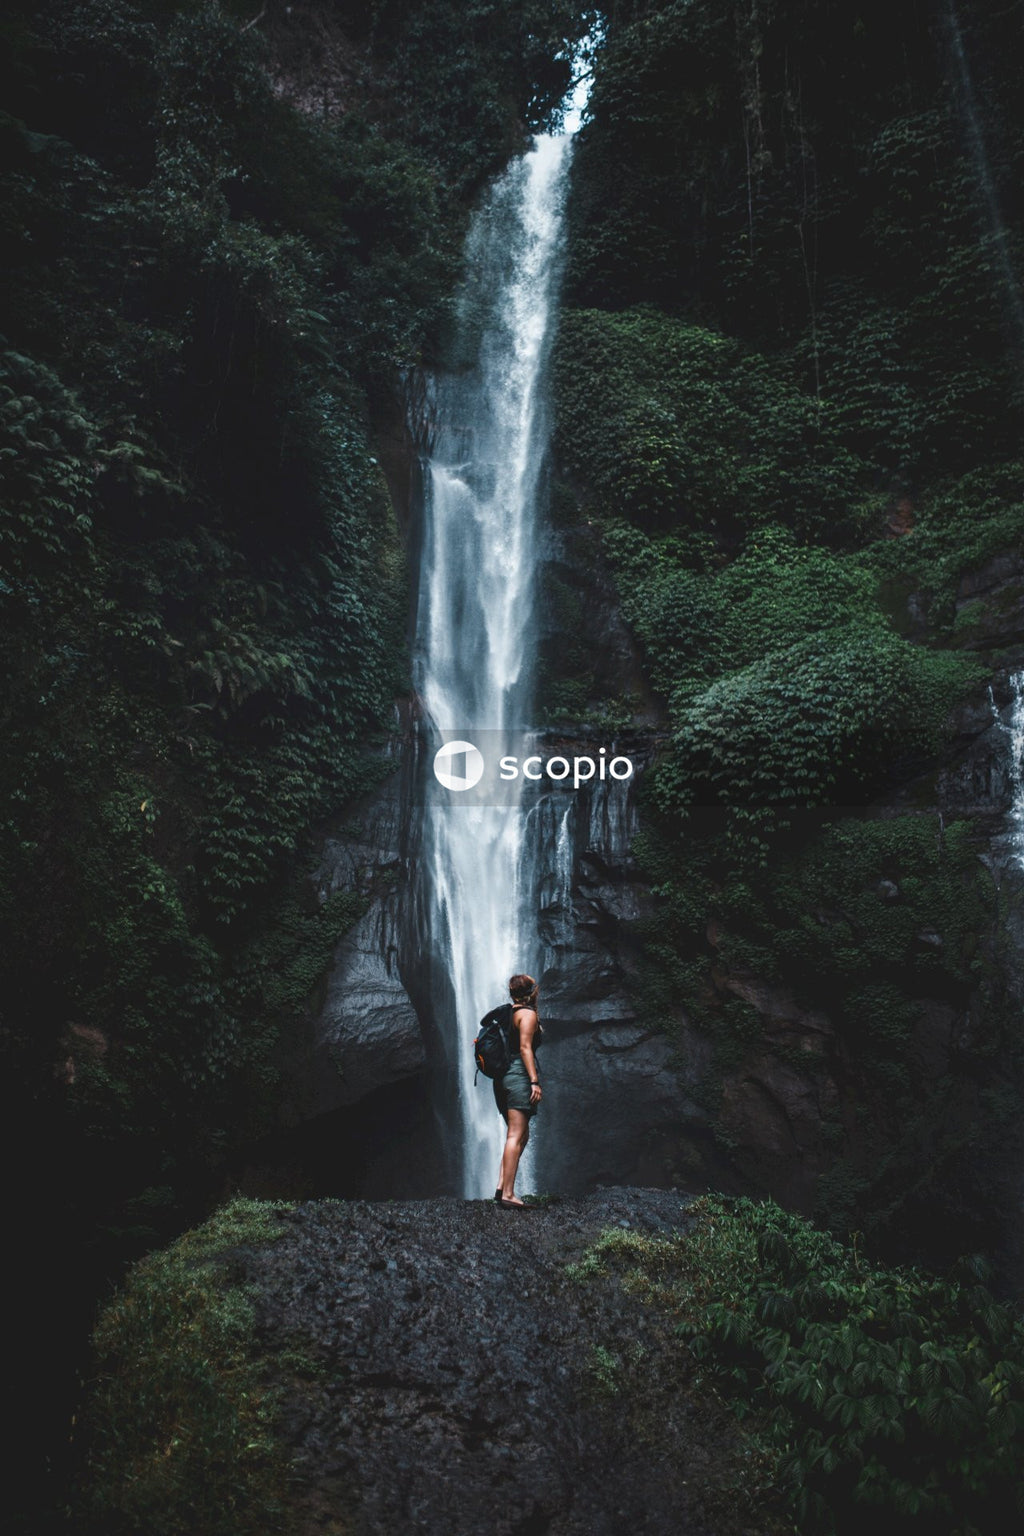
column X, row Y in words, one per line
column 638, row 1094
column 450, row 1366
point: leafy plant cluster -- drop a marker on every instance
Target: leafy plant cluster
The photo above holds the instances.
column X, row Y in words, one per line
column 886, row 1396
column 462, row 81
column 855, row 899
column 723, row 493
column 960, row 525
column 180, row 1427
column 821, row 721
column 679, row 428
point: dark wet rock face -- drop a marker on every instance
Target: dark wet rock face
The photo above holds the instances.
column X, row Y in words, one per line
column 362, row 1032
column 367, row 1034
column 464, row 1382
column 990, row 603
column 614, row 1092
column 974, row 778
column 581, row 634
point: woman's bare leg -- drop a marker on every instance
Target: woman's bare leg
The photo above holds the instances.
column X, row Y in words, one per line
column 515, row 1141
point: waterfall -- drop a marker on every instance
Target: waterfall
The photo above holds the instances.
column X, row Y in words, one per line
column 1000, row 245
column 484, row 430
column 1016, row 763
column 564, row 872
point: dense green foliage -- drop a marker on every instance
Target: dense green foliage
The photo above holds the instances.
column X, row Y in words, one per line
column 680, row 428
column 886, row 1397
column 817, row 720
column 459, row 82
column 203, row 590
column 873, row 925
column 788, row 401
column 181, row 1427
column 961, row 524
column 195, row 524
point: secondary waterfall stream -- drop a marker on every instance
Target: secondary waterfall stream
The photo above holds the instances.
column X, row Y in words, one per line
column 1015, row 730
column 484, row 427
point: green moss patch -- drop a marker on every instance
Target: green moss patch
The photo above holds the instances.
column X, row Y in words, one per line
column 181, row 1420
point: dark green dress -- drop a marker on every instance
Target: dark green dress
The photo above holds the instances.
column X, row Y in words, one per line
column 513, row 1090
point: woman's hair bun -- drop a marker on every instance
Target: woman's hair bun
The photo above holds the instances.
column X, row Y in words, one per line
column 523, row 989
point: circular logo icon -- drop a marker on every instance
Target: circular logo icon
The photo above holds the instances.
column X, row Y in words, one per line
column 458, row 765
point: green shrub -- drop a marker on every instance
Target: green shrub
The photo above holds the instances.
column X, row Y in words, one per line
column 959, row 525
column 696, row 624
column 888, row 1398
column 817, row 723
column 802, row 179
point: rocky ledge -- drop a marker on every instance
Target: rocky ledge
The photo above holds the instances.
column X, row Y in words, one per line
column 464, row 1379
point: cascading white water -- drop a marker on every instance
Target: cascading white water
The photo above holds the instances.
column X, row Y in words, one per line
column 564, row 863
column 998, row 240
column 474, row 643
column 1016, row 760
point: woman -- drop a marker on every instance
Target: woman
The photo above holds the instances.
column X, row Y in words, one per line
column 518, row 1094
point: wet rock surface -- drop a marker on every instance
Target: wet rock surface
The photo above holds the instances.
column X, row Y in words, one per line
column 990, row 602
column 367, row 1034
column 582, row 635
column 462, row 1380
column 614, row 1093
column 362, row 1033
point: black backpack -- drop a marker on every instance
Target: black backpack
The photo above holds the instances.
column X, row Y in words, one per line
column 492, row 1048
